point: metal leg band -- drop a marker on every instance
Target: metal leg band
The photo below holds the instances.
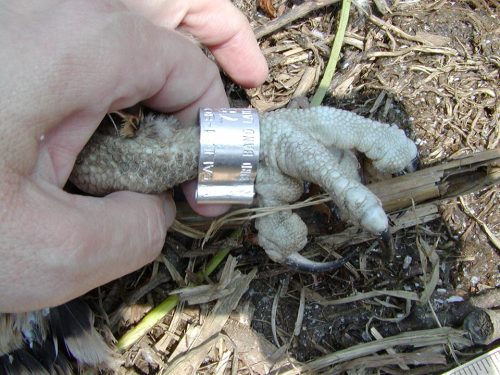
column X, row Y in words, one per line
column 229, row 155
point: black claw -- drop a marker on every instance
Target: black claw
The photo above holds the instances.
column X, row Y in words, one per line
column 386, row 237
column 414, row 165
column 302, row 264
column 387, row 244
column 410, row 168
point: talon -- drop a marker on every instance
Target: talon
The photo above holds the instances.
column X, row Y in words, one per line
column 386, row 237
column 410, row 168
column 414, row 165
column 302, row 264
column 387, row 244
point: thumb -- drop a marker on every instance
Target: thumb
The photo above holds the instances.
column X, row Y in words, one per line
column 122, row 232
column 59, row 246
column 126, row 230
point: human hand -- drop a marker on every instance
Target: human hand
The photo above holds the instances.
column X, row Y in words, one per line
column 65, row 64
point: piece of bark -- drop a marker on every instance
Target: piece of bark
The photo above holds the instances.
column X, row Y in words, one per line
column 443, row 181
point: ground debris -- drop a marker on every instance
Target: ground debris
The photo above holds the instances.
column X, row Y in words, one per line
column 433, row 69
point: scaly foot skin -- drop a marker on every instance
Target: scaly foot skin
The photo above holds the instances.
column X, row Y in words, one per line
column 305, row 145
column 297, row 145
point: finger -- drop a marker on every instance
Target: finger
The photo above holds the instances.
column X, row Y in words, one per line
column 92, row 241
column 129, row 60
column 135, row 60
column 209, row 210
column 29, row 6
column 144, row 218
column 216, row 24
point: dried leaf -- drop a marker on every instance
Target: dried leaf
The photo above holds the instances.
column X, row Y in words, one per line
column 268, row 8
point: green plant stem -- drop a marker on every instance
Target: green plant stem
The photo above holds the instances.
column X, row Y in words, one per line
column 149, row 321
column 334, row 55
column 159, row 312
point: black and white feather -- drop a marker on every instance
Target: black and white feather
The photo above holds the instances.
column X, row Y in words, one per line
column 51, row 341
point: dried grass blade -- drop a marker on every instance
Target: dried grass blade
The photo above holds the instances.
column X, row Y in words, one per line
column 414, row 339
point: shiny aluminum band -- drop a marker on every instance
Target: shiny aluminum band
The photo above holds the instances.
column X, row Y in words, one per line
column 229, row 155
